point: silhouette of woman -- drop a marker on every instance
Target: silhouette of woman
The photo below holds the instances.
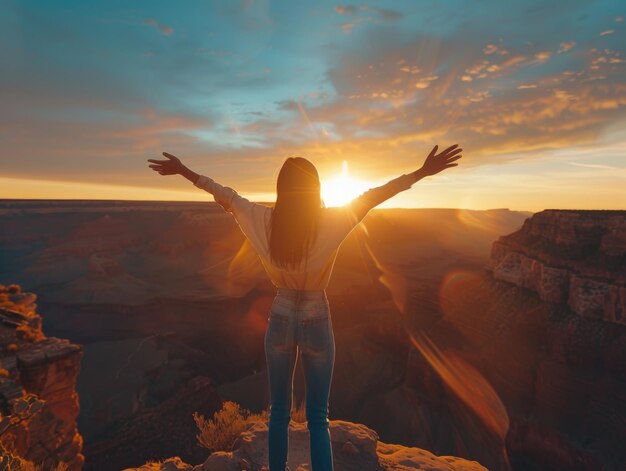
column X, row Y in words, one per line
column 297, row 241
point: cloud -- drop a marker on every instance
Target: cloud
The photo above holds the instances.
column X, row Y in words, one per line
column 493, row 48
column 164, row 29
column 425, row 81
column 383, row 13
column 391, row 95
column 347, row 27
column 346, row 9
column 89, row 148
column 388, row 15
column 382, row 105
column 601, row 166
column 566, row 46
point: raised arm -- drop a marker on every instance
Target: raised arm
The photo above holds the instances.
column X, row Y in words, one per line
column 223, row 195
column 434, row 163
column 173, row 166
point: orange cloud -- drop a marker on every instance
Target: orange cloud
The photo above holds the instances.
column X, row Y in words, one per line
column 566, row 46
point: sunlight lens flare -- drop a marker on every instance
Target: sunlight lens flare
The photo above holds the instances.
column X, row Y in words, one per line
column 467, row 383
column 341, row 189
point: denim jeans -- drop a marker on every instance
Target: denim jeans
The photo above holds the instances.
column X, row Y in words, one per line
column 300, row 322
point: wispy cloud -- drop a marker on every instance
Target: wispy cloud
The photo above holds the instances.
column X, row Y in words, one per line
column 493, row 49
column 346, row 9
column 566, row 46
column 164, row 29
column 382, row 13
column 602, row 166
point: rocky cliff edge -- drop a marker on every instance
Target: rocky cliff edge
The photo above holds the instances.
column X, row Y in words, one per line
column 35, row 369
column 355, row 448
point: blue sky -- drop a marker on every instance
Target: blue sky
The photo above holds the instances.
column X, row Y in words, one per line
column 534, row 91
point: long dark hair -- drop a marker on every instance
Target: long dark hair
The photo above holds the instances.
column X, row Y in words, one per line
column 296, row 215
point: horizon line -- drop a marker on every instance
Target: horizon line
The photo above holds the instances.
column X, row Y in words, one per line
column 7, row 200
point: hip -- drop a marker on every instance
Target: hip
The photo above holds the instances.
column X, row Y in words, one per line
column 300, row 318
column 300, row 304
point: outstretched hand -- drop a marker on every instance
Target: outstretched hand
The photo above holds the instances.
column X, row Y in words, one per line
column 436, row 163
column 172, row 166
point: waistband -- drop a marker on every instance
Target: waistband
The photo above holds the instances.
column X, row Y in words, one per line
column 300, row 293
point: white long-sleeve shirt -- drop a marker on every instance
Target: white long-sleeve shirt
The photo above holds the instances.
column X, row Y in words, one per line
column 335, row 225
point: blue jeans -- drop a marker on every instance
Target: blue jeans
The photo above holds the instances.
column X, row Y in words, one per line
column 299, row 321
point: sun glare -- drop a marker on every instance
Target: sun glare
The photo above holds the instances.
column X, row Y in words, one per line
column 341, row 189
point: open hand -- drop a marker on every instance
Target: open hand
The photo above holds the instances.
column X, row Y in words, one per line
column 172, row 166
column 435, row 163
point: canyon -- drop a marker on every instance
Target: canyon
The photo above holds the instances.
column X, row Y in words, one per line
column 169, row 300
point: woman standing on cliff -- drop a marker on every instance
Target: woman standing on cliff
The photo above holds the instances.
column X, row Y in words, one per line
column 297, row 241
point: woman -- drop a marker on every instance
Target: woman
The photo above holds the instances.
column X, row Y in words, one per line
column 297, row 241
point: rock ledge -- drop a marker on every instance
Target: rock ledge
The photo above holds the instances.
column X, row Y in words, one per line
column 355, row 447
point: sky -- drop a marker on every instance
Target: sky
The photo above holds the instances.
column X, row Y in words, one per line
column 533, row 91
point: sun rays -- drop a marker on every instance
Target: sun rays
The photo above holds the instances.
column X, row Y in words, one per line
column 342, row 188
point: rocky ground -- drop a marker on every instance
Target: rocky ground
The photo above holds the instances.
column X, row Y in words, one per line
column 355, row 448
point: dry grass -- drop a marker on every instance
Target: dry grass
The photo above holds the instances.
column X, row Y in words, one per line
column 220, row 432
column 298, row 414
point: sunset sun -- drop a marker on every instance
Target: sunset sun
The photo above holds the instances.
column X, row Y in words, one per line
column 341, row 188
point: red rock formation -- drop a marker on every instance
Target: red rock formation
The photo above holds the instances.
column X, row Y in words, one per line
column 46, row 367
column 569, row 256
column 546, row 328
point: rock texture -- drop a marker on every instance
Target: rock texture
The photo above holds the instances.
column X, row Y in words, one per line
column 355, row 448
column 545, row 326
column 46, row 367
column 573, row 257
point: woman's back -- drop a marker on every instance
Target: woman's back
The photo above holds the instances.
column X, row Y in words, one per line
column 315, row 270
column 336, row 223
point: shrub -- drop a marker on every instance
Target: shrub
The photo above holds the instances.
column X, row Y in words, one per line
column 227, row 424
column 298, row 414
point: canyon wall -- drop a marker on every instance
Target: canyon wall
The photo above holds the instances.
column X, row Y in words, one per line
column 572, row 257
column 545, row 325
column 501, row 349
column 40, row 368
